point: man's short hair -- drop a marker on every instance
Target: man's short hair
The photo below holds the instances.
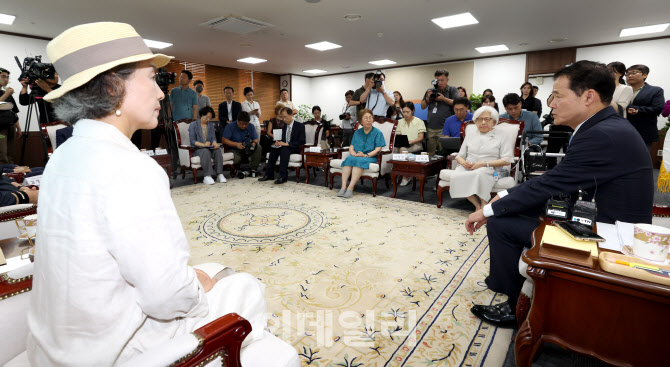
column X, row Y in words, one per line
column 243, row 116
column 316, row 108
column 349, row 93
column 536, row 88
column 511, row 99
column 3, row 70
column 198, row 82
column 247, row 90
column 287, row 110
column 644, row 69
column 278, row 108
column 229, row 87
column 188, row 74
column 205, row 110
column 369, row 75
column 283, row 90
column 441, row 72
column 585, row 75
column 461, row 100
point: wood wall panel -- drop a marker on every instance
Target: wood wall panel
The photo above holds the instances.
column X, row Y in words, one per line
column 549, row 61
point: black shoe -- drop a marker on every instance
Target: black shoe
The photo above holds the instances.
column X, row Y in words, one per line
column 265, row 178
column 500, row 315
column 280, row 181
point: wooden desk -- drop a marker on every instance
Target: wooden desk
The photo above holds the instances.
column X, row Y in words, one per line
column 619, row 320
column 420, row 170
column 320, row 159
column 165, row 161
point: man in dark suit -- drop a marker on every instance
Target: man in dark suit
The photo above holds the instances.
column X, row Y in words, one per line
column 605, row 158
column 293, row 137
column 228, row 111
column 62, row 135
column 647, row 103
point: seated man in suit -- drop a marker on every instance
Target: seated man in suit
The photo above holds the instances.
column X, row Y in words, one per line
column 293, row 137
column 606, row 158
column 647, row 103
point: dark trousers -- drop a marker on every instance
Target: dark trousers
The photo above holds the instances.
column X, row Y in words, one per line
column 508, row 236
column 284, row 153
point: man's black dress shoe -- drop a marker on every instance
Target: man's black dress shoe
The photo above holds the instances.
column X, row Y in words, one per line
column 265, row 178
column 500, row 315
column 280, row 181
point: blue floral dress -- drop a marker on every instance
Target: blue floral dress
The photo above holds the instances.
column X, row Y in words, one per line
column 365, row 143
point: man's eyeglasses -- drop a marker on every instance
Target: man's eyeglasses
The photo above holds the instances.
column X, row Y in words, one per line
column 633, row 72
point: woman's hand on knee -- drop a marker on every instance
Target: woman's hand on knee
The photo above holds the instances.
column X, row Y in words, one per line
column 205, row 280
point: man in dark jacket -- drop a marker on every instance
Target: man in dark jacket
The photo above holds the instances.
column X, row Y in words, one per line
column 647, row 104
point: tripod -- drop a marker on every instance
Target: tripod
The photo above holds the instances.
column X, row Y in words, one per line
column 26, row 129
column 166, row 118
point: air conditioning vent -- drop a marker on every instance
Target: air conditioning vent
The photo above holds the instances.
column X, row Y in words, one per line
column 237, row 25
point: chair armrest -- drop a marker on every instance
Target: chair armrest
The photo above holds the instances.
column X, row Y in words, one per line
column 9, row 213
column 12, row 284
column 220, row 338
column 380, row 154
column 18, row 177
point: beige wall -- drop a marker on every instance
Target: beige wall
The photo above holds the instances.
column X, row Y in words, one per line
column 412, row 82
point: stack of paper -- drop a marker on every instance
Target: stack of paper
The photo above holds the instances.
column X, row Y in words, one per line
column 616, row 235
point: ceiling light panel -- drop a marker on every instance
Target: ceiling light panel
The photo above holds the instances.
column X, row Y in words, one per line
column 643, row 30
column 314, row 71
column 457, row 20
column 323, row 46
column 157, row 44
column 7, row 19
column 252, row 60
column 487, row 49
column 382, row 62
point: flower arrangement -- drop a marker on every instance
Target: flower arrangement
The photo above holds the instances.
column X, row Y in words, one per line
column 476, row 101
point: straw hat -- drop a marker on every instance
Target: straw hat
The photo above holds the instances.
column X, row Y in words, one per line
column 82, row 52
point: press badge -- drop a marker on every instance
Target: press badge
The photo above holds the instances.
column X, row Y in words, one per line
column 435, row 109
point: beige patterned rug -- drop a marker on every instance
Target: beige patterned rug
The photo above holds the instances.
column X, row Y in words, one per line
column 358, row 282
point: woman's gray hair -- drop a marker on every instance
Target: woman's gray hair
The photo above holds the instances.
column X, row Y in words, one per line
column 98, row 98
column 489, row 109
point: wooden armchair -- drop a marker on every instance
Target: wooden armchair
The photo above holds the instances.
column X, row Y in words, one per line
column 220, row 338
column 381, row 168
column 48, row 130
column 187, row 159
column 511, row 129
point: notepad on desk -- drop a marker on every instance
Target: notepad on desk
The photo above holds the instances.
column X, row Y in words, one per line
column 558, row 245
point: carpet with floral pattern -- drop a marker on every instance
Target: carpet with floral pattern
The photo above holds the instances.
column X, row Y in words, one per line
column 352, row 282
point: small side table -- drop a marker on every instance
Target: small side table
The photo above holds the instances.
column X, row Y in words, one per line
column 165, row 161
column 420, row 170
column 319, row 159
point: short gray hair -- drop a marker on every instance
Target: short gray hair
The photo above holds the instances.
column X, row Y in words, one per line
column 98, row 98
column 489, row 109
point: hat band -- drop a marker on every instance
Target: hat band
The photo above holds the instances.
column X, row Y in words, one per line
column 99, row 54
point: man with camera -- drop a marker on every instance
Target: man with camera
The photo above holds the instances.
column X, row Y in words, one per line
column 440, row 102
column 9, row 120
column 356, row 97
column 293, row 137
column 348, row 118
column 39, row 89
column 184, row 100
column 243, row 142
column 377, row 98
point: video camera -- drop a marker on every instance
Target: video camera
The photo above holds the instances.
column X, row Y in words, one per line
column 377, row 79
column 344, row 116
column 435, row 90
column 164, row 78
column 33, row 68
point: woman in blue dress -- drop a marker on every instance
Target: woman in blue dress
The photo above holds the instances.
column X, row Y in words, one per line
column 366, row 143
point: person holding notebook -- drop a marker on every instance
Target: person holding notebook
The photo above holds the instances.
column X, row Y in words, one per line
column 414, row 129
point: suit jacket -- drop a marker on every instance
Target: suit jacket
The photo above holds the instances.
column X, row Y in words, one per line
column 649, row 103
column 223, row 111
column 604, row 150
column 297, row 136
column 62, row 135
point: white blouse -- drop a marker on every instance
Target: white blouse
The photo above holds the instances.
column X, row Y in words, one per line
column 111, row 255
column 254, row 119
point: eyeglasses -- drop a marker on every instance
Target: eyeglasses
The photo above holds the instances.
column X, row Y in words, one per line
column 633, row 72
column 484, row 119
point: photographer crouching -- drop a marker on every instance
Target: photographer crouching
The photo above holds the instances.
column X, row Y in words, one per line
column 244, row 143
column 440, row 102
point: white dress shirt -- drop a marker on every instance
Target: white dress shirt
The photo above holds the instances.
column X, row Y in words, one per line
column 111, row 271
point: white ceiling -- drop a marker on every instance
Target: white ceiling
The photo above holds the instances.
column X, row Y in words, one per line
column 409, row 37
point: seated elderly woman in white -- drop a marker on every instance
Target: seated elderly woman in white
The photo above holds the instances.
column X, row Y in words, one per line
column 111, row 276
column 481, row 152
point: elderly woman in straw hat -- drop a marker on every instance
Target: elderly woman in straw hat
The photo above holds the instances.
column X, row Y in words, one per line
column 111, row 275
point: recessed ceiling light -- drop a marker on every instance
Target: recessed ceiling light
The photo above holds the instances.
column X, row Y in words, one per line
column 7, row 19
column 382, row 62
column 157, row 44
column 643, row 30
column 353, row 17
column 457, row 20
column 314, row 71
column 323, row 46
column 252, row 60
column 487, row 49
